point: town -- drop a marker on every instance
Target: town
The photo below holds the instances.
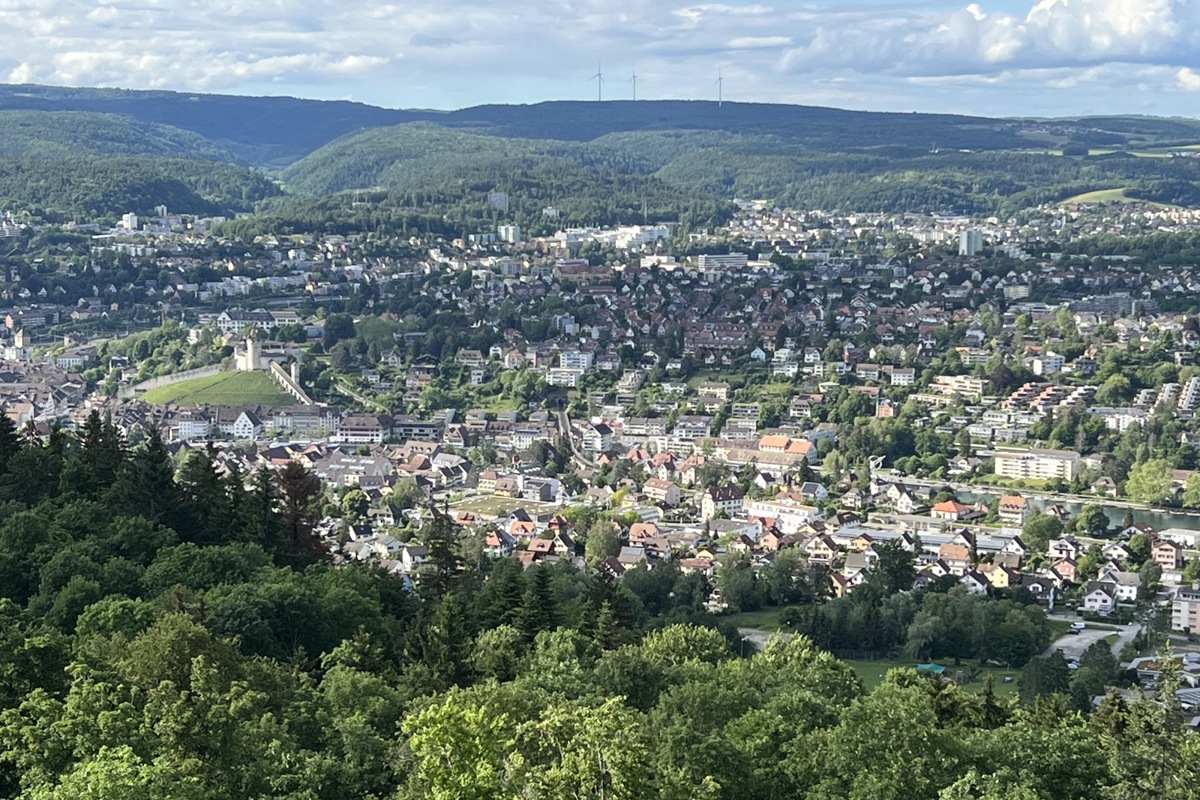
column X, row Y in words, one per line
column 1004, row 406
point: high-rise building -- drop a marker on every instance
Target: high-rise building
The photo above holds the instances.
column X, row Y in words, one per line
column 970, row 242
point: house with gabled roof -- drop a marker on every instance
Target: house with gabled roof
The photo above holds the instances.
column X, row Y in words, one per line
column 1100, row 598
column 956, row 556
column 1013, row 509
column 499, row 543
column 822, row 548
column 952, row 510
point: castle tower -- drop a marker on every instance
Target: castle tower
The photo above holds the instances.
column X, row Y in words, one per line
column 252, row 358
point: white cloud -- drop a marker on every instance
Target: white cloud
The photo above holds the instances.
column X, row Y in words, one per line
column 748, row 42
column 1188, row 79
column 973, row 39
column 448, row 53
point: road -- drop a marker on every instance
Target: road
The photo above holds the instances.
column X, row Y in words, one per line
column 1073, row 645
column 564, row 430
column 1038, row 494
column 365, row 401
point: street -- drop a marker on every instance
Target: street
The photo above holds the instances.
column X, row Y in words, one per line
column 1073, row 645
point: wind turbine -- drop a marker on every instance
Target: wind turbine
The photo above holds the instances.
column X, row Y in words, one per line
column 720, row 87
column 599, row 79
column 633, row 80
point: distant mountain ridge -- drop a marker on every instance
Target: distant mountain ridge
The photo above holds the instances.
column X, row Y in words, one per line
column 616, row 161
column 257, row 131
column 273, row 131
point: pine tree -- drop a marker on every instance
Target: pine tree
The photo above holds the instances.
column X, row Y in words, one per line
column 539, row 610
column 446, row 642
column 101, row 452
column 300, row 494
column 499, row 601
column 259, row 518
column 10, row 441
column 207, row 516
column 35, row 470
column 146, row 482
column 441, row 568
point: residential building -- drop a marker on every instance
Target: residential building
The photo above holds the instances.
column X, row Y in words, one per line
column 360, row 429
column 951, row 510
column 732, row 261
column 1037, row 463
column 726, row 500
column 1013, row 509
column 1185, row 610
column 1168, row 554
column 1100, row 598
column 247, row 426
column 961, row 385
column 597, row 438
column 662, row 491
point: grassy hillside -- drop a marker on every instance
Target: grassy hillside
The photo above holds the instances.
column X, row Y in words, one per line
column 227, row 389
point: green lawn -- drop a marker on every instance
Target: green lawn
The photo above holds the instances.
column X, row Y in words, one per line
column 765, row 618
column 777, row 388
column 1116, row 195
column 496, row 506
column 1099, row 196
column 226, row 388
column 992, row 479
column 872, row 674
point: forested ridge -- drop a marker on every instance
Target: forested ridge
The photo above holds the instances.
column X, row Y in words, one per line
column 80, row 134
column 97, row 189
column 172, row 629
column 608, row 163
column 714, row 165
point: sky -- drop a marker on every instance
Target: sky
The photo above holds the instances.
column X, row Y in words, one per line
column 992, row 57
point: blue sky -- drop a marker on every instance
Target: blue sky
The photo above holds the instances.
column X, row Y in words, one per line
column 1003, row 57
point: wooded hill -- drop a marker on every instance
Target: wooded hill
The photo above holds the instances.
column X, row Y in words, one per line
column 602, row 163
column 175, row 629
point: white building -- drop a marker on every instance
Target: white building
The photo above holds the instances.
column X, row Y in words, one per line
column 733, row 261
column 970, row 242
column 1037, row 463
column 1048, row 363
column 576, row 359
column 1185, row 611
column 789, row 515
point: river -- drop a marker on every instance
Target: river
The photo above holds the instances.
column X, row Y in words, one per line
column 1155, row 518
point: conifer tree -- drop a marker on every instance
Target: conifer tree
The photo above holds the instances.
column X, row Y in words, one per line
column 299, row 498
column 146, row 482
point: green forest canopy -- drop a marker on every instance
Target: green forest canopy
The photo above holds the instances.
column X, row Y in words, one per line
column 174, row 630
